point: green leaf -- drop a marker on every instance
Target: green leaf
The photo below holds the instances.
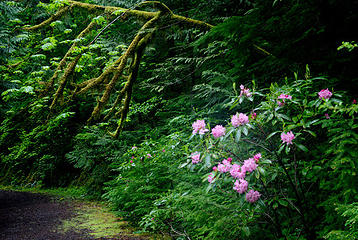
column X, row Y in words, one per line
column 27, row 89
column 311, row 132
column 245, row 130
column 261, row 170
column 284, row 116
column 246, row 231
column 283, row 202
column 208, row 160
column 269, row 136
column 280, row 149
column 303, row 148
column 208, row 188
column 238, row 135
column 229, row 133
column 257, row 174
column 183, row 165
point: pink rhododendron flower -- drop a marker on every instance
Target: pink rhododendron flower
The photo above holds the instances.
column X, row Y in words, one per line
column 252, row 196
column 239, row 119
column 149, row 155
column 325, row 93
column 131, row 161
column 229, row 159
column 257, row 157
column 199, row 126
column 226, row 162
column 287, row 137
column 237, row 171
column 163, row 150
column 195, row 158
column 354, row 101
column 280, row 103
column 218, row 131
column 250, row 165
column 240, row 186
column 210, row 178
column 245, row 91
column 215, row 168
column 284, row 96
column 327, row 116
column 253, row 116
column 224, row 166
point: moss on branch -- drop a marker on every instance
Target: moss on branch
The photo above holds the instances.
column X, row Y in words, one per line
column 164, row 17
column 119, row 70
column 48, row 21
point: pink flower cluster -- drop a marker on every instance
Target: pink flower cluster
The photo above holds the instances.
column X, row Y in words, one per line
column 210, row 178
column 257, row 157
column 253, row 116
column 245, row 91
column 287, row 137
column 250, row 165
column 283, row 97
column 199, row 126
column 252, row 196
column 218, row 131
column 195, row 158
column 239, row 173
column 325, row 93
column 240, row 186
column 224, row 166
column 239, row 119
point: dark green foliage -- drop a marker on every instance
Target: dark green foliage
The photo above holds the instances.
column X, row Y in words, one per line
column 144, row 173
column 92, row 154
column 185, row 75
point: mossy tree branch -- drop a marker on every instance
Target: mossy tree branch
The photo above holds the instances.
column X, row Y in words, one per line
column 119, row 70
column 70, row 68
column 111, row 75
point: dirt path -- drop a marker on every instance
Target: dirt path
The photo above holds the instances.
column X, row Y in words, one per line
column 31, row 216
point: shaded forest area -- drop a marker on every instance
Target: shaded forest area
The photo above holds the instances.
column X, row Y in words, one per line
column 212, row 119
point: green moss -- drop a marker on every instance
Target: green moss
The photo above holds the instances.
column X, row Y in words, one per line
column 97, row 220
column 100, row 222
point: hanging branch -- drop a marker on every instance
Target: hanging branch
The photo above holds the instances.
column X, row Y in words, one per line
column 129, row 85
column 119, row 70
column 111, row 75
column 87, row 85
column 53, row 17
column 163, row 18
column 128, row 12
column 68, row 70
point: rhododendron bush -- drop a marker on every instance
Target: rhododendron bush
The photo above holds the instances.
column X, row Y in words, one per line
column 262, row 154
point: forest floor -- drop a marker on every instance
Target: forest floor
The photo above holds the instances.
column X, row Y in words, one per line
column 34, row 216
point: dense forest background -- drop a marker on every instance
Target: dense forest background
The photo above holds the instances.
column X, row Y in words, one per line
column 140, row 153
